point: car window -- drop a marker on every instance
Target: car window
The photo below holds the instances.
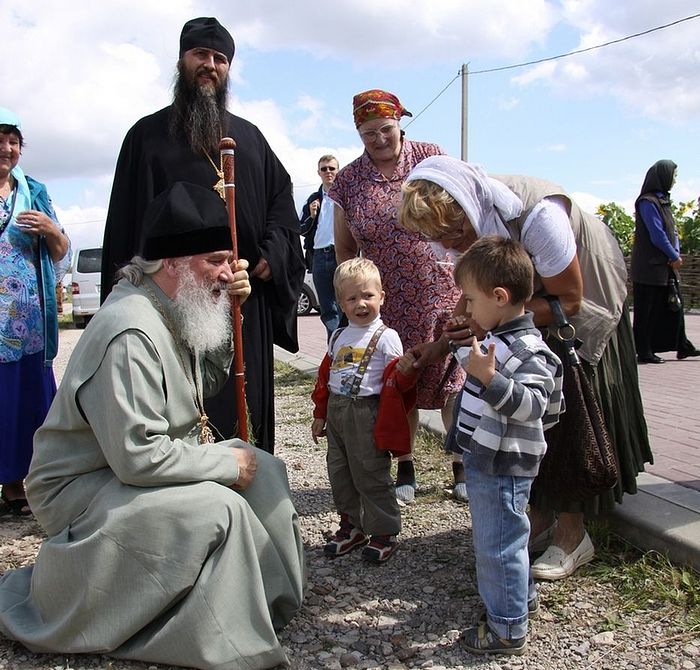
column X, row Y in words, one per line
column 89, row 260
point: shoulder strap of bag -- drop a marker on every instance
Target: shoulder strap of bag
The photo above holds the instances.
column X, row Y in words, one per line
column 565, row 330
column 364, row 361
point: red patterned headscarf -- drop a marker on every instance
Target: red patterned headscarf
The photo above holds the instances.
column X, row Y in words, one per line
column 377, row 104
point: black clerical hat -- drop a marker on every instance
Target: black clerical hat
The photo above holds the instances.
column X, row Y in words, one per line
column 206, row 32
column 184, row 220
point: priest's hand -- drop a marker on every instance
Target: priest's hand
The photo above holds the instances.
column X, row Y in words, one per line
column 262, row 270
column 240, row 286
column 247, row 467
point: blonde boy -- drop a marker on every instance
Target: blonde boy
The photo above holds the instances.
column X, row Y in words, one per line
column 346, row 400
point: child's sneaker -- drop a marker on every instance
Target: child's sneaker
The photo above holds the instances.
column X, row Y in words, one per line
column 380, row 548
column 459, row 492
column 346, row 538
column 482, row 640
column 405, row 493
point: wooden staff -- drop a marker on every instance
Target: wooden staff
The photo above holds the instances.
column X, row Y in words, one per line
column 227, row 148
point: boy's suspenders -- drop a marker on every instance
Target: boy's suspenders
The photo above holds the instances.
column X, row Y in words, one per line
column 364, row 361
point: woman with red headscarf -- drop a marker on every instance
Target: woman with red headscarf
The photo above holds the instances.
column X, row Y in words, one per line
column 420, row 293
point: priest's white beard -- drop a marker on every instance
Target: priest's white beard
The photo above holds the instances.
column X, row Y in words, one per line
column 204, row 317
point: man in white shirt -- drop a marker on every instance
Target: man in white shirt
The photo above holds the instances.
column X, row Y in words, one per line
column 317, row 229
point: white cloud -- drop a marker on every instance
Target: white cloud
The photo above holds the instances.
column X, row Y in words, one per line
column 535, row 73
column 299, row 161
column 84, row 225
column 507, row 104
column 644, row 73
column 408, row 33
column 89, row 70
column 686, row 190
column 554, row 148
column 587, row 201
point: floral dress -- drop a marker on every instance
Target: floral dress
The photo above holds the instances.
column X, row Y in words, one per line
column 27, row 384
column 420, row 290
column 21, row 320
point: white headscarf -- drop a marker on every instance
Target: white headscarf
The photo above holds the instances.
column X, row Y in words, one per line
column 486, row 201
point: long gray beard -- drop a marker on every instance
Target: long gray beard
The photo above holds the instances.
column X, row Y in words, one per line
column 204, row 319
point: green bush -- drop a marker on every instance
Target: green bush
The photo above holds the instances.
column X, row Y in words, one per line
column 620, row 223
column 686, row 214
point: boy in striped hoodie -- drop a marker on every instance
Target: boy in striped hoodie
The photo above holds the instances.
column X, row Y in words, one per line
column 511, row 395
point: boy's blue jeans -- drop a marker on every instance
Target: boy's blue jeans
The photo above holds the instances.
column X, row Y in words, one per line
column 500, row 530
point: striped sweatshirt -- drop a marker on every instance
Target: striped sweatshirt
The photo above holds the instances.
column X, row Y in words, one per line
column 502, row 425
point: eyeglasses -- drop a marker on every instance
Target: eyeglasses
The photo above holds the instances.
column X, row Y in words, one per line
column 384, row 131
column 327, row 168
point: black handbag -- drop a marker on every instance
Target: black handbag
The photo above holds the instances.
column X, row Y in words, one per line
column 674, row 295
column 580, row 459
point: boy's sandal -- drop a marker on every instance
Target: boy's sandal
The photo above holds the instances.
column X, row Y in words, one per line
column 482, row 640
column 379, row 549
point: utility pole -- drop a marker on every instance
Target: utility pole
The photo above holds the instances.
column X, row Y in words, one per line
column 465, row 109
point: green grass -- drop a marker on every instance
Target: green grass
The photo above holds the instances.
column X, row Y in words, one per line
column 646, row 580
column 65, row 321
column 292, row 381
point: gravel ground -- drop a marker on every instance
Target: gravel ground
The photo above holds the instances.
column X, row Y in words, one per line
column 409, row 612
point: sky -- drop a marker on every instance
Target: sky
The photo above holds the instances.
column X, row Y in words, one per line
column 80, row 74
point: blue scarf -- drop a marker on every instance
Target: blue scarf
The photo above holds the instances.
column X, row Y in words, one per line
column 32, row 194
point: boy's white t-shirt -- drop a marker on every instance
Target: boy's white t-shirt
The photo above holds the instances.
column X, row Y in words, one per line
column 348, row 349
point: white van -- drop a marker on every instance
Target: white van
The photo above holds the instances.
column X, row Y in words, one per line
column 85, row 287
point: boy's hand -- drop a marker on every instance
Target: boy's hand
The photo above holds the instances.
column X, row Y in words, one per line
column 318, row 429
column 480, row 365
column 405, row 364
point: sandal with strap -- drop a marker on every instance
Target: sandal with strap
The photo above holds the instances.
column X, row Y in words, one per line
column 482, row 640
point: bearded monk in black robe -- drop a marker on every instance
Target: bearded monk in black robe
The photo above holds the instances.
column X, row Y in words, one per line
column 181, row 143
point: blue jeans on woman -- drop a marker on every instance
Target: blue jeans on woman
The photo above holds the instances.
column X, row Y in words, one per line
column 324, row 266
column 501, row 530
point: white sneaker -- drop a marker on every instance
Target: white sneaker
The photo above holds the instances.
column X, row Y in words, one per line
column 405, row 494
column 459, row 492
column 555, row 564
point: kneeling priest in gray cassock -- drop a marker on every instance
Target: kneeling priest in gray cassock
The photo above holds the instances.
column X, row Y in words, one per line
column 163, row 545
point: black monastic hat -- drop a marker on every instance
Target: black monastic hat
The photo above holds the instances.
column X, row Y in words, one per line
column 206, row 32
column 184, row 220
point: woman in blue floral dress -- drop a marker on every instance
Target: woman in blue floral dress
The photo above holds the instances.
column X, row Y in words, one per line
column 34, row 255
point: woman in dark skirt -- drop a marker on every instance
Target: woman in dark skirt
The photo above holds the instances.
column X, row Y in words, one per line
column 659, row 325
column 34, row 255
column 576, row 259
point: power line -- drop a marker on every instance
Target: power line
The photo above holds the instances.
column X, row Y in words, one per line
column 433, row 100
column 551, row 58
column 82, row 223
column 580, row 51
